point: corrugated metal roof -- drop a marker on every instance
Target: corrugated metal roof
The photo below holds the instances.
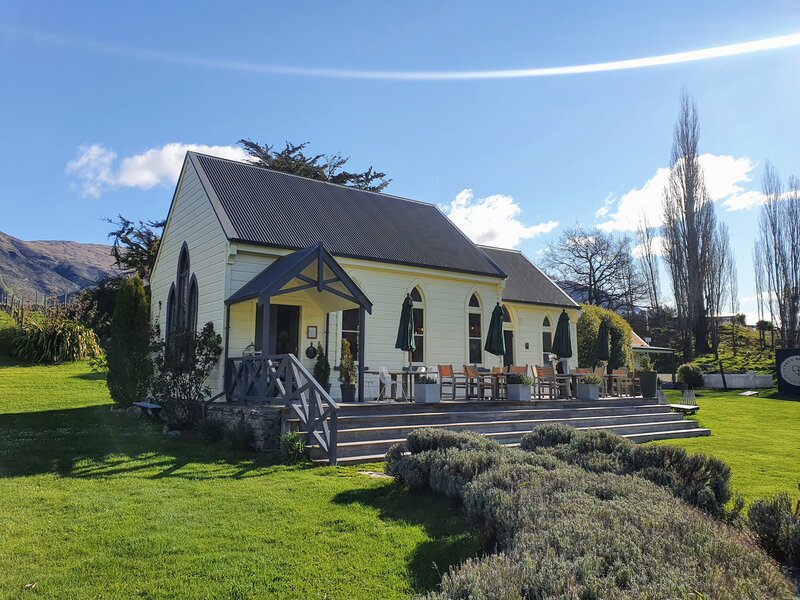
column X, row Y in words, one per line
column 526, row 283
column 261, row 206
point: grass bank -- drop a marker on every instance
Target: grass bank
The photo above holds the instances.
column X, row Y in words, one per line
column 94, row 504
column 759, row 437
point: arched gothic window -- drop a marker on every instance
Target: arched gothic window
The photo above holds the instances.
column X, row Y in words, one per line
column 418, row 356
column 547, row 341
column 474, row 330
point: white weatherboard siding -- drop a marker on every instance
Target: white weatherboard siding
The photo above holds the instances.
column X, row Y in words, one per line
column 192, row 220
column 527, row 321
column 445, row 295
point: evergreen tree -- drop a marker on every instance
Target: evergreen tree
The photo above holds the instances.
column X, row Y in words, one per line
column 129, row 365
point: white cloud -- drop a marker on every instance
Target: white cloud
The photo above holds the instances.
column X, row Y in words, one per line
column 493, row 220
column 725, row 177
column 97, row 169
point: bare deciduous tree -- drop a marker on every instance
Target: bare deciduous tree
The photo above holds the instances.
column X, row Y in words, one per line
column 597, row 265
column 717, row 282
column 689, row 228
column 777, row 254
column 648, row 262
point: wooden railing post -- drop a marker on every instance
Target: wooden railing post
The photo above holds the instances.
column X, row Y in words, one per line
column 284, row 377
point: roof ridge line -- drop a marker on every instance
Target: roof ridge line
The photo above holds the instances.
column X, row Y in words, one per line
column 339, row 185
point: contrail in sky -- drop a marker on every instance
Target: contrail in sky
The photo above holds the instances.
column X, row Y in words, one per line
column 771, row 43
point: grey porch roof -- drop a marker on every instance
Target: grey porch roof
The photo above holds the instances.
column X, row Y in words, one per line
column 309, row 269
column 526, row 283
column 260, row 206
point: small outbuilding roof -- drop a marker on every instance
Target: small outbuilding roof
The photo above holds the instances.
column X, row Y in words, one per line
column 261, row 206
column 526, row 283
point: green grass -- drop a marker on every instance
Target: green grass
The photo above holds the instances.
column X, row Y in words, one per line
column 99, row 505
column 759, row 437
column 749, row 355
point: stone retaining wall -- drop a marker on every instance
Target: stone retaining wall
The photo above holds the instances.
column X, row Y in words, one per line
column 265, row 419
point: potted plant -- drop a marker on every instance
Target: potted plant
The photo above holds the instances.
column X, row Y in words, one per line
column 427, row 390
column 518, row 387
column 589, row 388
column 347, row 373
column 322, row 369
column 648, row 377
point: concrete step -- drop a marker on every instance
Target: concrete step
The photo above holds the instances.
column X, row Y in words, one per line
column 373, row 447
column 357, row 421
column 502, row 423
column 462, row 405
column 689, row 432
column 635, row 437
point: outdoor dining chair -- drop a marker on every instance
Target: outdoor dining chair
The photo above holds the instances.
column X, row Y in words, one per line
column 448, row 377
column 477, row 383
column 501, row 387
column 547, row 381
column 621, row 383
column 387, row 383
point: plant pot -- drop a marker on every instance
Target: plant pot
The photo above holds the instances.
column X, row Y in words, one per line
column 518, row 392
column 348, row 392
column 588, row 391
column 427, row 393
column 649, row 383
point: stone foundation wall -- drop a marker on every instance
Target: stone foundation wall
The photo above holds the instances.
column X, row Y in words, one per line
column 265, row 420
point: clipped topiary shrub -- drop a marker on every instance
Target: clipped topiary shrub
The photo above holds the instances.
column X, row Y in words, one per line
column 129, row 364
column 558, row 531
column 619, row 332
column 422, row 440
column 691, row 375
column 700, row 480
column 547, row 436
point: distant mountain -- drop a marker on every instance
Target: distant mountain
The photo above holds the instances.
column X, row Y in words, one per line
column 51, row 267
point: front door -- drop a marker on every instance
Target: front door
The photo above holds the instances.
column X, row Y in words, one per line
column 284, row 329
column 508, row 357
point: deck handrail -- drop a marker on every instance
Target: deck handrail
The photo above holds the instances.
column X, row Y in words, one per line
column 283, row 379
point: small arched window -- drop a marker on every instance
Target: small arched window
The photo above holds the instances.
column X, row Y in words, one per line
column 474, row 330
column 418, row 356
column 183, row 287
column 172, row 317
column 547, row 341
column 191, row 308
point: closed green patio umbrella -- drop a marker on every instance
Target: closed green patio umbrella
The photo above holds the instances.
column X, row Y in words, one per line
column 405, row 331
column 562, row 342
column 495, row 342
column 602, row 349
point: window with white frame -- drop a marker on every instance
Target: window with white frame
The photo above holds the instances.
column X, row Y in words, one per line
column 474, row 330
column 547, row 340
column 418, row 356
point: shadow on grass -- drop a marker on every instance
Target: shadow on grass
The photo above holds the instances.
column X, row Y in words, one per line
column 95, row 442
column 90, row 376
column 451, row 542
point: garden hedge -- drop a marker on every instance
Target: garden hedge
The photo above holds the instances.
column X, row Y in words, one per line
column 557, row 530
column 619, row 331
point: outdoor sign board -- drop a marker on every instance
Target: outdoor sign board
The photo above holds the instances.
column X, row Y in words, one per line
column 787, row 365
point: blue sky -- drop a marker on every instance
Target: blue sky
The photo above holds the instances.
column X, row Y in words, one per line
column 93, row 92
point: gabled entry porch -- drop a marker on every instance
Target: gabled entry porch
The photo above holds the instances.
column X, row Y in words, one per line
column 274, row 311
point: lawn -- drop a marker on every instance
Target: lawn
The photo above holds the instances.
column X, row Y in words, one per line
column 97, row 505
column 758, row 437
